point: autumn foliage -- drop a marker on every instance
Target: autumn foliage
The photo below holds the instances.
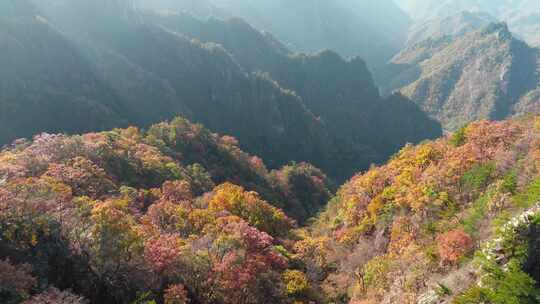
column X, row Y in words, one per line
column 174, row 215
column 392, row 229
column 180, row 215
column 453, row 245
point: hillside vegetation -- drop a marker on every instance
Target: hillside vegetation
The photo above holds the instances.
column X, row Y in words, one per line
column 127, row 216
column 171, row 158
column 448, row 221
column 180, row 215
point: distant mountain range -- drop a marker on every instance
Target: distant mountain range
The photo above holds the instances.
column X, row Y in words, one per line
column 352, row 28
column 522, row 16
column 64, row 72
column 455, row 26
column 340, row 92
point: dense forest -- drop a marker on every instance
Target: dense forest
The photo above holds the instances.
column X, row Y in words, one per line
column 124, row 215
column 178, row 214
column 191, row 152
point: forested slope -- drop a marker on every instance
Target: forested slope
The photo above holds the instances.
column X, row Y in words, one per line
column 352, row 28
column 172, row 213
column 448, row 221
column 151, row 75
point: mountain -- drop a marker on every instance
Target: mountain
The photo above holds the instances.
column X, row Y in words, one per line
column 170, row 211
column 454, row 25
column 453, row 220
column 522, row 16
column 341, row 93
column 146, row 70
column 352, row 28
column 426, row 9
column 421, row 9
column 482, row 74
column 426, row 38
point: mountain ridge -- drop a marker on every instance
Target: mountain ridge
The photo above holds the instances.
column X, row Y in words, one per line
column 304, row 26
column 475, row 75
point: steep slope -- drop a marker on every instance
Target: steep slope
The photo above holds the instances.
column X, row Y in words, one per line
column 46, row 83
column 352, row 28
column 448, row 221
column 425, row 38
column 340, row 92
column 126, row 215
column 480, row 75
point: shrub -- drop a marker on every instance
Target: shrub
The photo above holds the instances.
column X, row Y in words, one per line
column 176, row 294
column 375, row 272
column 530, row 196
column 458, row 138
column 453, row 245
column 296, row 282
column 443, row 290
column 476, row 213
column 478, row 176
column 53, row 295
column 15, row 282
column 510, row 182
column 472, row 296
